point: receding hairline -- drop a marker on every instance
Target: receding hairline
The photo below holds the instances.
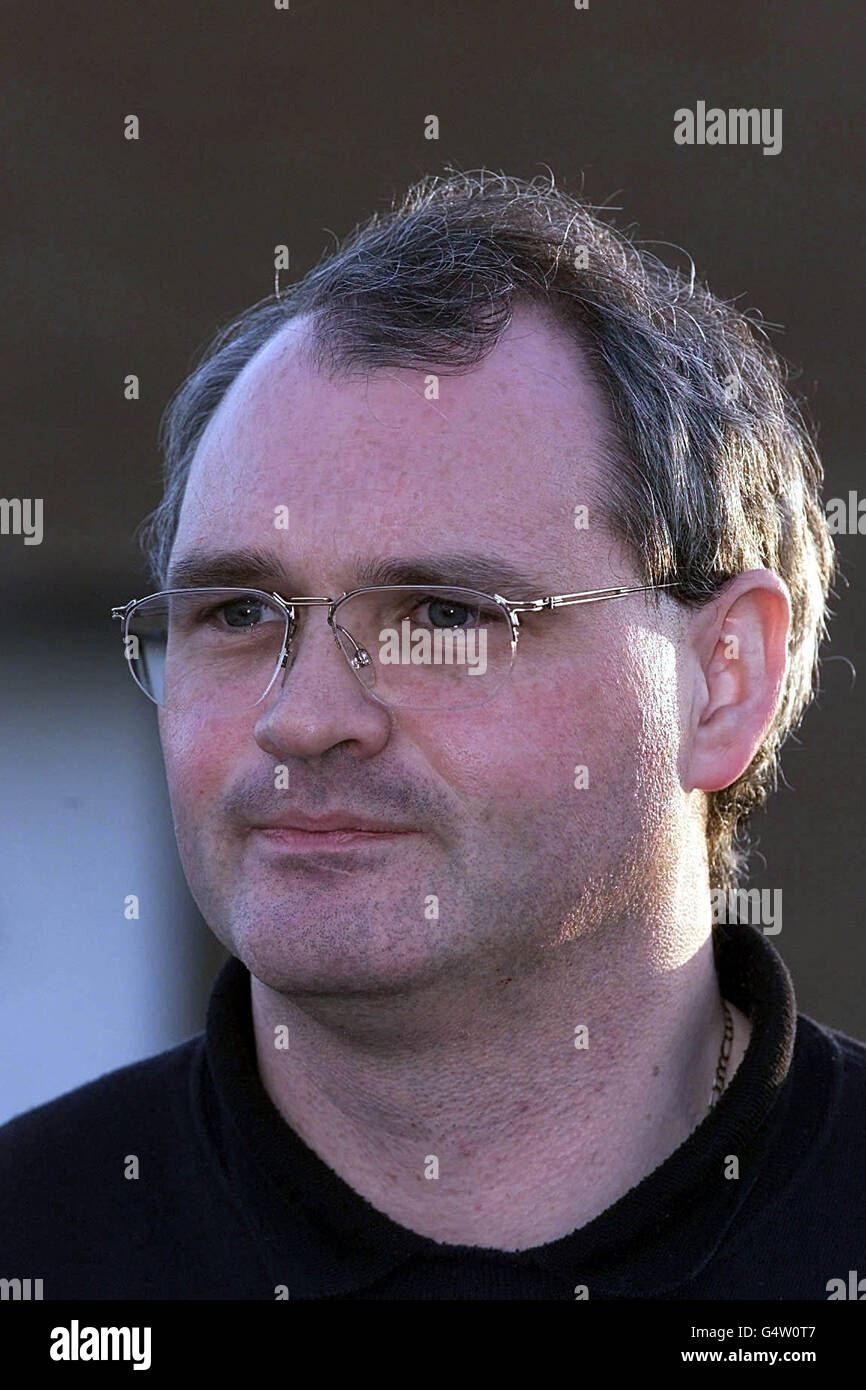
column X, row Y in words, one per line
column 302, row 338
column 306, row 334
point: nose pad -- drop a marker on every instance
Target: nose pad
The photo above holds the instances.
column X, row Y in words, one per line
column 287, row 659
column 278, row 679
column 358, row 657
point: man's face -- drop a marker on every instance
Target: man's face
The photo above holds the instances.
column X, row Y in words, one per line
column 516, row 854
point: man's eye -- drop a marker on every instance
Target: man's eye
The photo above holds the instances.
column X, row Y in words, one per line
column 238, row 613
column 443, row 613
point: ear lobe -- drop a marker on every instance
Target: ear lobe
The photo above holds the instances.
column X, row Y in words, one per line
column 742, row 648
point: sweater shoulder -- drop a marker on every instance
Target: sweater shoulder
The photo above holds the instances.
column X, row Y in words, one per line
column 93, row 1116
column 847, row 1052
column 112, row 1189
column 826, row 1128
column 848, row 1102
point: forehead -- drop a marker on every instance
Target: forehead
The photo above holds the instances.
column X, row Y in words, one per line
column 401, row 461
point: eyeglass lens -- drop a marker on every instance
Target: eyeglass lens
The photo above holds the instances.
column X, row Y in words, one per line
column 420, row 648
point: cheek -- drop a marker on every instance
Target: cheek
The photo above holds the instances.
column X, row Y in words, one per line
column 593, row 741
column 199, row 761
column 198, row 757
column 640, row 718
column 519, row 750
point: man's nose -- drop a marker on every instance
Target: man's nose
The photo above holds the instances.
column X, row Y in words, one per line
column 316, row 701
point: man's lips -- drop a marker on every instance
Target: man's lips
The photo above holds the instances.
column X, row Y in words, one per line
column 311, row 840
column 336, row 831
column 335, row 820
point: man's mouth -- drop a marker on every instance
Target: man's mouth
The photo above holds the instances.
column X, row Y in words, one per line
column 294, row 829
column 311, row 840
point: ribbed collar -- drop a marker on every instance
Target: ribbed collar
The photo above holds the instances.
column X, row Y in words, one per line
column 320, row 1237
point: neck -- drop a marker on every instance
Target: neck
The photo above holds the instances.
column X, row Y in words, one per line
column 466, row 1111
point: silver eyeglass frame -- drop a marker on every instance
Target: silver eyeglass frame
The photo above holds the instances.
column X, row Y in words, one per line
column 512, row 608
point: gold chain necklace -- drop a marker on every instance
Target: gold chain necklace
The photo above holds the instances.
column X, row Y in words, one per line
column 724, row 1056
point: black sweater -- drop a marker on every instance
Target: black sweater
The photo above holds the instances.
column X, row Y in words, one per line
column 230, row 1203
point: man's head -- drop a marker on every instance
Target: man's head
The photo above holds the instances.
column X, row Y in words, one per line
column 461, row 377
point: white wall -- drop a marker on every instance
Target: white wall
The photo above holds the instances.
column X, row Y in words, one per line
column 85, row 821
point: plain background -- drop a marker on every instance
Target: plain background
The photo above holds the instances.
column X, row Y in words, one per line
column 262, row 126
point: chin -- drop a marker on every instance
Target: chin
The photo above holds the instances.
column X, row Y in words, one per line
column 316, row 956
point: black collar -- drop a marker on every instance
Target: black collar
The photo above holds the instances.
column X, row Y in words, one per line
column 319, row 1237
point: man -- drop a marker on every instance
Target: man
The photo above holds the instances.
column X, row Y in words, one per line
column 465, row 832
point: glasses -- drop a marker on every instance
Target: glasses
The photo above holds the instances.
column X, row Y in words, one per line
column 417, row 647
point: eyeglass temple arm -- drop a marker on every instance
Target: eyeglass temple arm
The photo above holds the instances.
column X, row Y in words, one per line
column 591, row 596
column 529, row 606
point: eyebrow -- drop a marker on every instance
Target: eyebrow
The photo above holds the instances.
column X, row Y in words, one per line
column 257, row 568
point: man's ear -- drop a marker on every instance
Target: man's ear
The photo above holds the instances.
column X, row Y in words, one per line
column 740, row 649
